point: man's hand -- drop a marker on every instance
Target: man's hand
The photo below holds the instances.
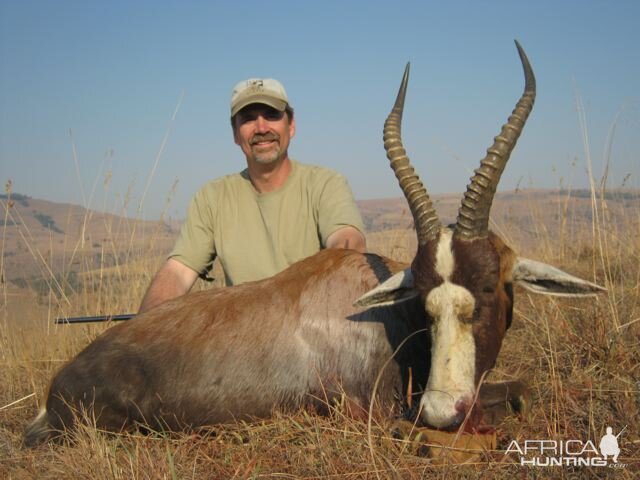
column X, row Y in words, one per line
column 172, row 280
column 347, row 237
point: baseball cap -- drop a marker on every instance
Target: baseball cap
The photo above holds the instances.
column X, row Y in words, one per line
column 258, row 90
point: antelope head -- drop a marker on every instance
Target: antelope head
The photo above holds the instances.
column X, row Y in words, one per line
column 464, row 274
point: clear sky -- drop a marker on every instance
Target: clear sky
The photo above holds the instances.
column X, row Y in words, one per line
column 114, row 72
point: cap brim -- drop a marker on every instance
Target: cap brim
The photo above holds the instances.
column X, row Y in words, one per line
column 279, row 105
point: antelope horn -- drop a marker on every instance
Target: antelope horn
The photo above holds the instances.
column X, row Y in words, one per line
column 424, row 215
column 473, row 216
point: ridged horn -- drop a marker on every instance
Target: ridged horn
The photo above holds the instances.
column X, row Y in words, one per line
column 473, row 216
column 424, row 215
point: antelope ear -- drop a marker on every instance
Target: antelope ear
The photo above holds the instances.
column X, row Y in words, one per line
column 396, row 289
column 541, row 278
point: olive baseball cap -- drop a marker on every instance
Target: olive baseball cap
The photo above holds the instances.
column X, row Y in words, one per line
column 258, row 90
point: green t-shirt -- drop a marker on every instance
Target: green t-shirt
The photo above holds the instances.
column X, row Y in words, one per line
column 256, row 235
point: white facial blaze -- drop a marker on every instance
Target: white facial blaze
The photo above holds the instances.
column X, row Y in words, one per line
column 452, row 374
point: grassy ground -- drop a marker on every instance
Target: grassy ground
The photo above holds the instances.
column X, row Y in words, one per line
column 581, row 359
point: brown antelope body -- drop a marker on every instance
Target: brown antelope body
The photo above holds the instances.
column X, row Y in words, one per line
column 325, row 327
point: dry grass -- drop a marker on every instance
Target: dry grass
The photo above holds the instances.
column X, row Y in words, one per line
column 581, row 359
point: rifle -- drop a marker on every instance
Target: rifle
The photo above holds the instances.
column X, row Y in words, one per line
column 94, row 319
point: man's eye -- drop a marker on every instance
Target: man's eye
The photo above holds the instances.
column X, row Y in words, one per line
column 270, row 115
column 273, row 115
column 244, row 118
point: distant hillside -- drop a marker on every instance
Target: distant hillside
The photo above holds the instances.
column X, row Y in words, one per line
column 515, row 208
column 528, row 220
column 40, row 235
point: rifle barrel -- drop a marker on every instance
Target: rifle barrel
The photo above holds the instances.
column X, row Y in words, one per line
column 95, row 319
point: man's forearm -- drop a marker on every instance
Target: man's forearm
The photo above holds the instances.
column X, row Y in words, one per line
column 158, row 293
column 171, row 281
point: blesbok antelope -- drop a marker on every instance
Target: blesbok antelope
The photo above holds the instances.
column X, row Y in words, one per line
column 326, row 326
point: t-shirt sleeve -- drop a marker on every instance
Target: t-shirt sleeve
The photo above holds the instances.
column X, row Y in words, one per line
column 337, row 207
column 195, row 246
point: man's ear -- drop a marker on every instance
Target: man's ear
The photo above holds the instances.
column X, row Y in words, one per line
column 292, row 127
column 234, row 130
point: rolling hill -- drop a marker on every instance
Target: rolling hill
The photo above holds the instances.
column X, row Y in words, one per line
column 40, row 237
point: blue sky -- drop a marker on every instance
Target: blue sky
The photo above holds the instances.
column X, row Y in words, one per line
column 113, row 73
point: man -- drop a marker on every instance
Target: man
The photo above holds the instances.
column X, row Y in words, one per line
column 261, row 220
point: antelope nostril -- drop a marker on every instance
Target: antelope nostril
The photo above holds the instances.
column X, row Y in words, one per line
column 456, row 421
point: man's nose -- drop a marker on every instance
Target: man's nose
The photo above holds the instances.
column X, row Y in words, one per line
column 262, row 125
